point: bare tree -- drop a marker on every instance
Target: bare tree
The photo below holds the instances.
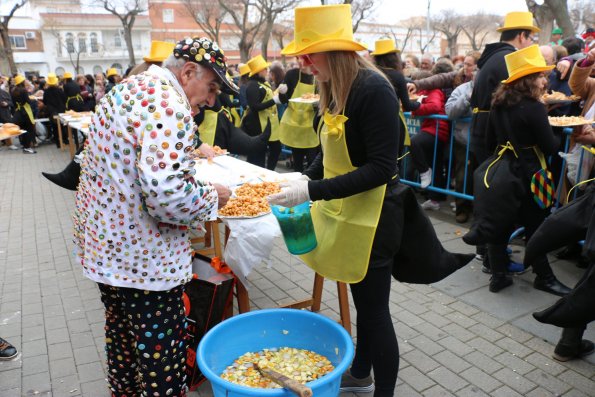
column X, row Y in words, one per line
column 208, row 15
column 360, row 9
column 126, row 11
column 73, row 51
column 4, row 20
column 280, row 32
column 271, row 9
column 423, row 47
column 477, row 27
column 549, row 11
column 401, row 44
column 248, row 22
column 449, row 24
column 582, row 14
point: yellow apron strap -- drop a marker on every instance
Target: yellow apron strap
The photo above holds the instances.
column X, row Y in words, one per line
column 592, row 151
column 478, row 110
column 27, row 108
column 540, row 156
column 506, row 147
column 403, row 156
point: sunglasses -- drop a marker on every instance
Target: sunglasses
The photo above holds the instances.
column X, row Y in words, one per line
column 306, row 60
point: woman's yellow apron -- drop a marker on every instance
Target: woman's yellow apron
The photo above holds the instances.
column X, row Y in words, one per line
column 269, row 114
column 208, row 127
column 345, row 228
column 296, row 129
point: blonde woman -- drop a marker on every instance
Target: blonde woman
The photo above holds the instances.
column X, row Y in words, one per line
column 353, row 182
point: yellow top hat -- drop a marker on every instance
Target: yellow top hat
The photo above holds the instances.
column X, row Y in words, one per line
column 524, row 62
column 111, row 72
column 67, row 75
column 519, row 20
column 51, row 79
column 257, row 64
column 322, row 28
column 384, row 46
column 160, row 50
column 18, row 79
column 244, row 69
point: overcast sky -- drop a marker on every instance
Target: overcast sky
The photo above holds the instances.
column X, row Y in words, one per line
column 389, row 11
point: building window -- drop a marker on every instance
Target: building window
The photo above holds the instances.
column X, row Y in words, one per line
column 168, row 15
column 70, row 43
column 117, row 40
column 18, row 42
column 94, row 44
column 82, row 42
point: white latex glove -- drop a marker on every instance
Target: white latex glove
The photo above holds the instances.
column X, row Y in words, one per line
column 277, row 100
column 292, row 194
column 282, row 89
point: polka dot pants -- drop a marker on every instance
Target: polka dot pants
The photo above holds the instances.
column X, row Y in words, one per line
column 144, row 341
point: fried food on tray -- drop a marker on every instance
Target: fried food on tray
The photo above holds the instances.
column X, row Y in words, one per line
column 218, row 152
column 10, row 129
column 564, row 121
column 245, row 206
column 559, row 96
column 310, row 96
column 260, row 190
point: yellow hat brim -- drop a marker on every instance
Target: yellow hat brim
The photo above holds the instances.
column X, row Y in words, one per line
column 255, row 72
column 152, row 60
column 374, row 53
column 324, row 46
column 533, row 29
column 526, row 72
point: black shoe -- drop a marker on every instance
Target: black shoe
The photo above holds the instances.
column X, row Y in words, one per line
column 571, row 251
column 355, row 385
column 7, row 351
column 499, row 281
column 552, row 285
column 68, row 179
column 571, row 345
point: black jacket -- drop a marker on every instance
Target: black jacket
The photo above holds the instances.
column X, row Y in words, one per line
column 492, row 70
column 55, row 100
column 74, row 100
column 255, row 95
column 6, row 107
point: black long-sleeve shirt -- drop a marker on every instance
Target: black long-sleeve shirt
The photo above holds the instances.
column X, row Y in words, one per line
column 372, row 136
column 255, row 95
column 291, row 80
column 55, row 100
column 400, row 85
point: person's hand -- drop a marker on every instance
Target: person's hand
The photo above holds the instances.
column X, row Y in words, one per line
column 223, row 194
column 292, row 194
column 277, row 100
column 585, row 135
column 304, row 177
column 206, row 150
column 411, row 88
column 591, row 55
column 421, row 98
column 283, row 89
column 563, row 67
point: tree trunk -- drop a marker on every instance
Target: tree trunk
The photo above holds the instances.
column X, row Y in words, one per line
column 264, row 44
column 8, row 50
column 128, row 39
column 560, row 10
column 244, row 51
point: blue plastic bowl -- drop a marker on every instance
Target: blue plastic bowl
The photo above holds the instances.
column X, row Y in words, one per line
column 254, row 331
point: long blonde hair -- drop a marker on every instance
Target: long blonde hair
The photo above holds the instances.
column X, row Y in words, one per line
column 343, row 67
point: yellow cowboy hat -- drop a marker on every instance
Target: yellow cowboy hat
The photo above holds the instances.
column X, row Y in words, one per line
column 112, row 72
column 160, row 50
column 18, row 79
column 244, row 69
column 524, row 62
column 322, row 28
column 67, row 75
column 519, row 20
column 384, row 46
column 257, row 64
column 51, row 79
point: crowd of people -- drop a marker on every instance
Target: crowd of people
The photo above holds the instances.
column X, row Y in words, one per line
column 349, row 145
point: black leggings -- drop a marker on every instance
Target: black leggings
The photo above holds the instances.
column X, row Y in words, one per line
column 298, row 155
column 377, row 345
column 260, row 158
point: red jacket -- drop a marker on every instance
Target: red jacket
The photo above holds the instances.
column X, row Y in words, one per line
column 433, row 104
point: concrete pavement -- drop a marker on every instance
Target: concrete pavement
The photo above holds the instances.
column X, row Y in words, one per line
column 455, row 337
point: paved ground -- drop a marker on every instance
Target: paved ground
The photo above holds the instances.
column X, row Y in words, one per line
column 455, row 337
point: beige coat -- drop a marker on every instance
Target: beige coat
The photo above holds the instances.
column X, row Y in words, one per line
column 582, row 85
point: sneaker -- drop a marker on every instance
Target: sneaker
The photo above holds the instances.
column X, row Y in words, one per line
column 13, row 147
column 355, row 385
column 7, row 351
column 431, row 205
column 479, row 257
column 425, row 178
column 29, row 151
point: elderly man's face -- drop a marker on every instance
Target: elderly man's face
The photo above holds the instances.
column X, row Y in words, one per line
column 426, row 64
column 200, row 84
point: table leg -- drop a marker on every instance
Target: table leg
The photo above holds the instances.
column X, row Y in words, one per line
column 317, row 292
column 243, row 299
column 344, row 306
column 71, row 143
column 59, row 132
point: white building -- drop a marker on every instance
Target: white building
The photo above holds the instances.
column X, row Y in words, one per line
column 55, row 35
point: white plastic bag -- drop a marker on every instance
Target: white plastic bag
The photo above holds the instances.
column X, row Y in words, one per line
column 573, row 164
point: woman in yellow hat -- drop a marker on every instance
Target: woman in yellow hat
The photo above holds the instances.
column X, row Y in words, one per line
column 54, row 101
column 353, row 183
column 74, row 100
column 512, row 187
column 262, row 108
column 296, row 129
column 113, row 78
